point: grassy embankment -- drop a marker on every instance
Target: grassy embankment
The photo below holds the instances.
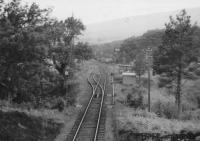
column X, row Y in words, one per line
column 24, row 123
column 17, row 126
column 132, row 115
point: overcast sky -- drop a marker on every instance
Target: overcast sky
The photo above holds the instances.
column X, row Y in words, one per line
column 92, row 11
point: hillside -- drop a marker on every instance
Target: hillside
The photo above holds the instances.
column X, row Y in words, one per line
column 151, row 38
column 120, row 29
column 106, row 49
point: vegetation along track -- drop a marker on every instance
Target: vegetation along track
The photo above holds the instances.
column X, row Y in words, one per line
column 90, row 124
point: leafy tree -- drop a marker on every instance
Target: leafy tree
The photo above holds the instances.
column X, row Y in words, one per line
column 22, row 46
column 73, row 28
column 151, row 38
column 83, row 51
column 140, row 65
column 128, row 51
column 176, row 51
column 130, row 47
column 35, row 51
column 61, row 37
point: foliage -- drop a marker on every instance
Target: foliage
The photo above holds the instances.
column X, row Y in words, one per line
column 83, row 51
column 164, row 82
column 176, row 52
column 35, row 52
column 132, row 46
column 128, row 51
column 140, row 64
column 22, row 45
column 60, row 104
column 144, row 122
column 135, row 100
column 197, row 72
column 192, row 94
column 168, row 110
column 191, row 115
column 164, row 109
column 62, row 35
column 26, row 128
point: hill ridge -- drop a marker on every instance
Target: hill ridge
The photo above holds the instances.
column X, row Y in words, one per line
column 119, row 29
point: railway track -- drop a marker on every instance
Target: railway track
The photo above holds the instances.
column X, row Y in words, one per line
column 90, row 124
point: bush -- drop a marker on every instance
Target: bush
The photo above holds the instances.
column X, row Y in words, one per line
column 192, row 67
column 165, row 109
column 192, row 95
column 163, row 81
column 16, row 126
column 197, row 72
column 135, row 100
column 190, row 75
column 190, row 115
column 144, row 114
column 60, row 104
column 144, row 82
column 71, row 93
column 188, row 105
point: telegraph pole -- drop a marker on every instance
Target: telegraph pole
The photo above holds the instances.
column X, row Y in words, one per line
column 148, row 53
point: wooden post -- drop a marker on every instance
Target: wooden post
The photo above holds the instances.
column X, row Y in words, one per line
column 113, row 89
column 149, row 90
column 148, row 57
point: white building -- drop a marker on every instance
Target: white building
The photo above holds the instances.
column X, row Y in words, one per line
column 128, row 77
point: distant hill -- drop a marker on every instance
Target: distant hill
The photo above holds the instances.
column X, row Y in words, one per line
column 106, row 49
column 151, row 38
column 120, row 29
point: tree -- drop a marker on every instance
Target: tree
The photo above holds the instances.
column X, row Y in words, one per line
column 130, row 47
column 22, row 45
column 61, row 38
column 74, row 28
column 176, row 51
column 83, row 51
column 62, row 35
column 128, row 51
column 140, row 65
column 35, row 52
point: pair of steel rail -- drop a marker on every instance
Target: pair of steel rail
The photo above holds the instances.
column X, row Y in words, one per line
column 94, row 90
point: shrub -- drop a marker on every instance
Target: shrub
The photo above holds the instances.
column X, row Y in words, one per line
column 123, row 90
column 60, row 104
column 192, row 67
column 144, row 114
column 135, row 100
column 188, row 105
column 163, row 81
column 144, row 82
column 190, row 75
column 165, row 109
column 192, row 95
column 197, row 72
column 16, row 126
column 71, row 93
column 190, row 115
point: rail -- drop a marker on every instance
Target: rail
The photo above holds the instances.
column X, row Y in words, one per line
column 88, row 105
column 101, row 107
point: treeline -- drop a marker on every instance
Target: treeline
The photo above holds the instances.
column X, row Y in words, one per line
column 37, row 53
column 173, row 50
column 131, row 46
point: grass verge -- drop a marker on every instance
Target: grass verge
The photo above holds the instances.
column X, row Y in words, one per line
column 17, row 126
